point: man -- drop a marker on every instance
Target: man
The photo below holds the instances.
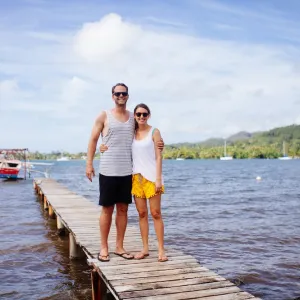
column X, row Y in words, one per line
column 115, row 179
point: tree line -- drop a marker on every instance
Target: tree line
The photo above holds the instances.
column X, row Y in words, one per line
column 243, row 145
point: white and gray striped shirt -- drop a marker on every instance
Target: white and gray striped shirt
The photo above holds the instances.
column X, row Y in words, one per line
column 117, row 160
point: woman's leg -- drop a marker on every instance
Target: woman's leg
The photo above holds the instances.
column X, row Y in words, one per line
column 141, row 206
column 155, row 208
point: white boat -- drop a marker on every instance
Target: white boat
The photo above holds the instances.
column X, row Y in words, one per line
column 225, row 157
column 63, row 158
column 284, row 157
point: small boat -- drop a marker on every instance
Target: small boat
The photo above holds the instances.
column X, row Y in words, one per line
column 284, row 157
column 226, row 157
column 10, row 169
column 12, row 161
column 63, row 158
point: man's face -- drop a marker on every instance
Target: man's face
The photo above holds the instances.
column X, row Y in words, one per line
column 120, row 95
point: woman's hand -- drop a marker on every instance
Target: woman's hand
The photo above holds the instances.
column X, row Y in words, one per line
column 158, row 185
column 103, row 148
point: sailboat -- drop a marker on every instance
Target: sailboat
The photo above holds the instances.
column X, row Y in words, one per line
column 63, row 158
column 179, row 158
column 284, row 157
column 225, row 157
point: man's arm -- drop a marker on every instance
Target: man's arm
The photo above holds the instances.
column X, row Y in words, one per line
column 97, row 129
column 158, row 155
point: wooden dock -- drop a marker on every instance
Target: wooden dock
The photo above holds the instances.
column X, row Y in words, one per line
column 182, row 277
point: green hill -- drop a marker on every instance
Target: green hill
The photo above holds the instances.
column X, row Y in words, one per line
column 288, row 134
column 242, row 135
column 265, row 144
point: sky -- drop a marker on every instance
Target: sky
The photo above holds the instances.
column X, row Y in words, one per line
column 206, row 68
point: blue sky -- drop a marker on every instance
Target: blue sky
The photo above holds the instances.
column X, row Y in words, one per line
column 206, row 68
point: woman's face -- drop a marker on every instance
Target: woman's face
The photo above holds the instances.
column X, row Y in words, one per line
column 141, row 116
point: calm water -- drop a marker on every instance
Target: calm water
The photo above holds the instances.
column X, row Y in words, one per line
column 245, row 230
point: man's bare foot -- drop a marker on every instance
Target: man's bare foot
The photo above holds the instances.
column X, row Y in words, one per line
column 141, row 255
column 162, row 256
column 123, row 254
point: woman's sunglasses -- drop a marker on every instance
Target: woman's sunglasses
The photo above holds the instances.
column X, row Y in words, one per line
column 118, row 94
column 145, row 115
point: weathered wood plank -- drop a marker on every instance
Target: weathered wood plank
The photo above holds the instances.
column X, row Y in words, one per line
column 174, row 290
column 167, row 284
column 161, row 279
column 154, row 273
column 226, row 291
column 155, row 266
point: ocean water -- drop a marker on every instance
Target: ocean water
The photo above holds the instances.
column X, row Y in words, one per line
column 244, row 229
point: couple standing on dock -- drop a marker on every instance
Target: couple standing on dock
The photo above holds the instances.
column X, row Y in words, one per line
column 130, row 166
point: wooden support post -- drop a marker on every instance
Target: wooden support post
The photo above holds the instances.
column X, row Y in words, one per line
column 99, row 289
column 60, row 226
column 51, row 212
column 41, row 194
column 74, row 249
column 45, row 203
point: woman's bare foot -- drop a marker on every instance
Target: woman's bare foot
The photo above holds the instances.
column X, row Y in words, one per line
column 162, row 256
column 141, row 255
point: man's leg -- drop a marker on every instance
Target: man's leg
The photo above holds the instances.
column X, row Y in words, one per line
column 121, row 224
column 105, row 224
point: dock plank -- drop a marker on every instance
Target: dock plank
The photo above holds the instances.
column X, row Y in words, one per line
column 175, row 290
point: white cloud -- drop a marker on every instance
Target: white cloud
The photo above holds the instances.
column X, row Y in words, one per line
column 196, row 87
column 105, row 39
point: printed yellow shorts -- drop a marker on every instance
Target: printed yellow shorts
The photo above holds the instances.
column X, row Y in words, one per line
column 143, row 188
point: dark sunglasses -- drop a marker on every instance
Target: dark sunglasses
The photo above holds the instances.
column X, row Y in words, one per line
column 118, row 94
column 145, row 115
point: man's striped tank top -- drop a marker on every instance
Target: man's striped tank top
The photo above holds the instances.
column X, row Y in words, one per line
column 117, row 160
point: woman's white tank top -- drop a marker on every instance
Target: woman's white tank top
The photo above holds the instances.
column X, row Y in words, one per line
column 143, row 156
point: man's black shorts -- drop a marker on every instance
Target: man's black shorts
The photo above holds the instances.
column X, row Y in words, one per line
column 115, row 189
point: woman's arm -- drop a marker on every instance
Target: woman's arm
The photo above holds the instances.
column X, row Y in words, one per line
column 158, row 156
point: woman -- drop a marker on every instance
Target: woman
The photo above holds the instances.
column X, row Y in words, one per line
column 147, row 181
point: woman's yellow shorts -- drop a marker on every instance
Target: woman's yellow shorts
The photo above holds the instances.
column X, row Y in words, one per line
column 143, row 188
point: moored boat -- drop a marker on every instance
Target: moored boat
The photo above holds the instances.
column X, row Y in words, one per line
column 9, row 169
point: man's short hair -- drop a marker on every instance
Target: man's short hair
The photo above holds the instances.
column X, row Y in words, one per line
column 119, row 84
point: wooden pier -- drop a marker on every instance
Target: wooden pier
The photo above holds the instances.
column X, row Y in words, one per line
column 182, row 277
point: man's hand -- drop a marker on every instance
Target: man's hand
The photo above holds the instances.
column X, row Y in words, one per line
column 160, row 145
column 103, row 148
column 90, row 173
